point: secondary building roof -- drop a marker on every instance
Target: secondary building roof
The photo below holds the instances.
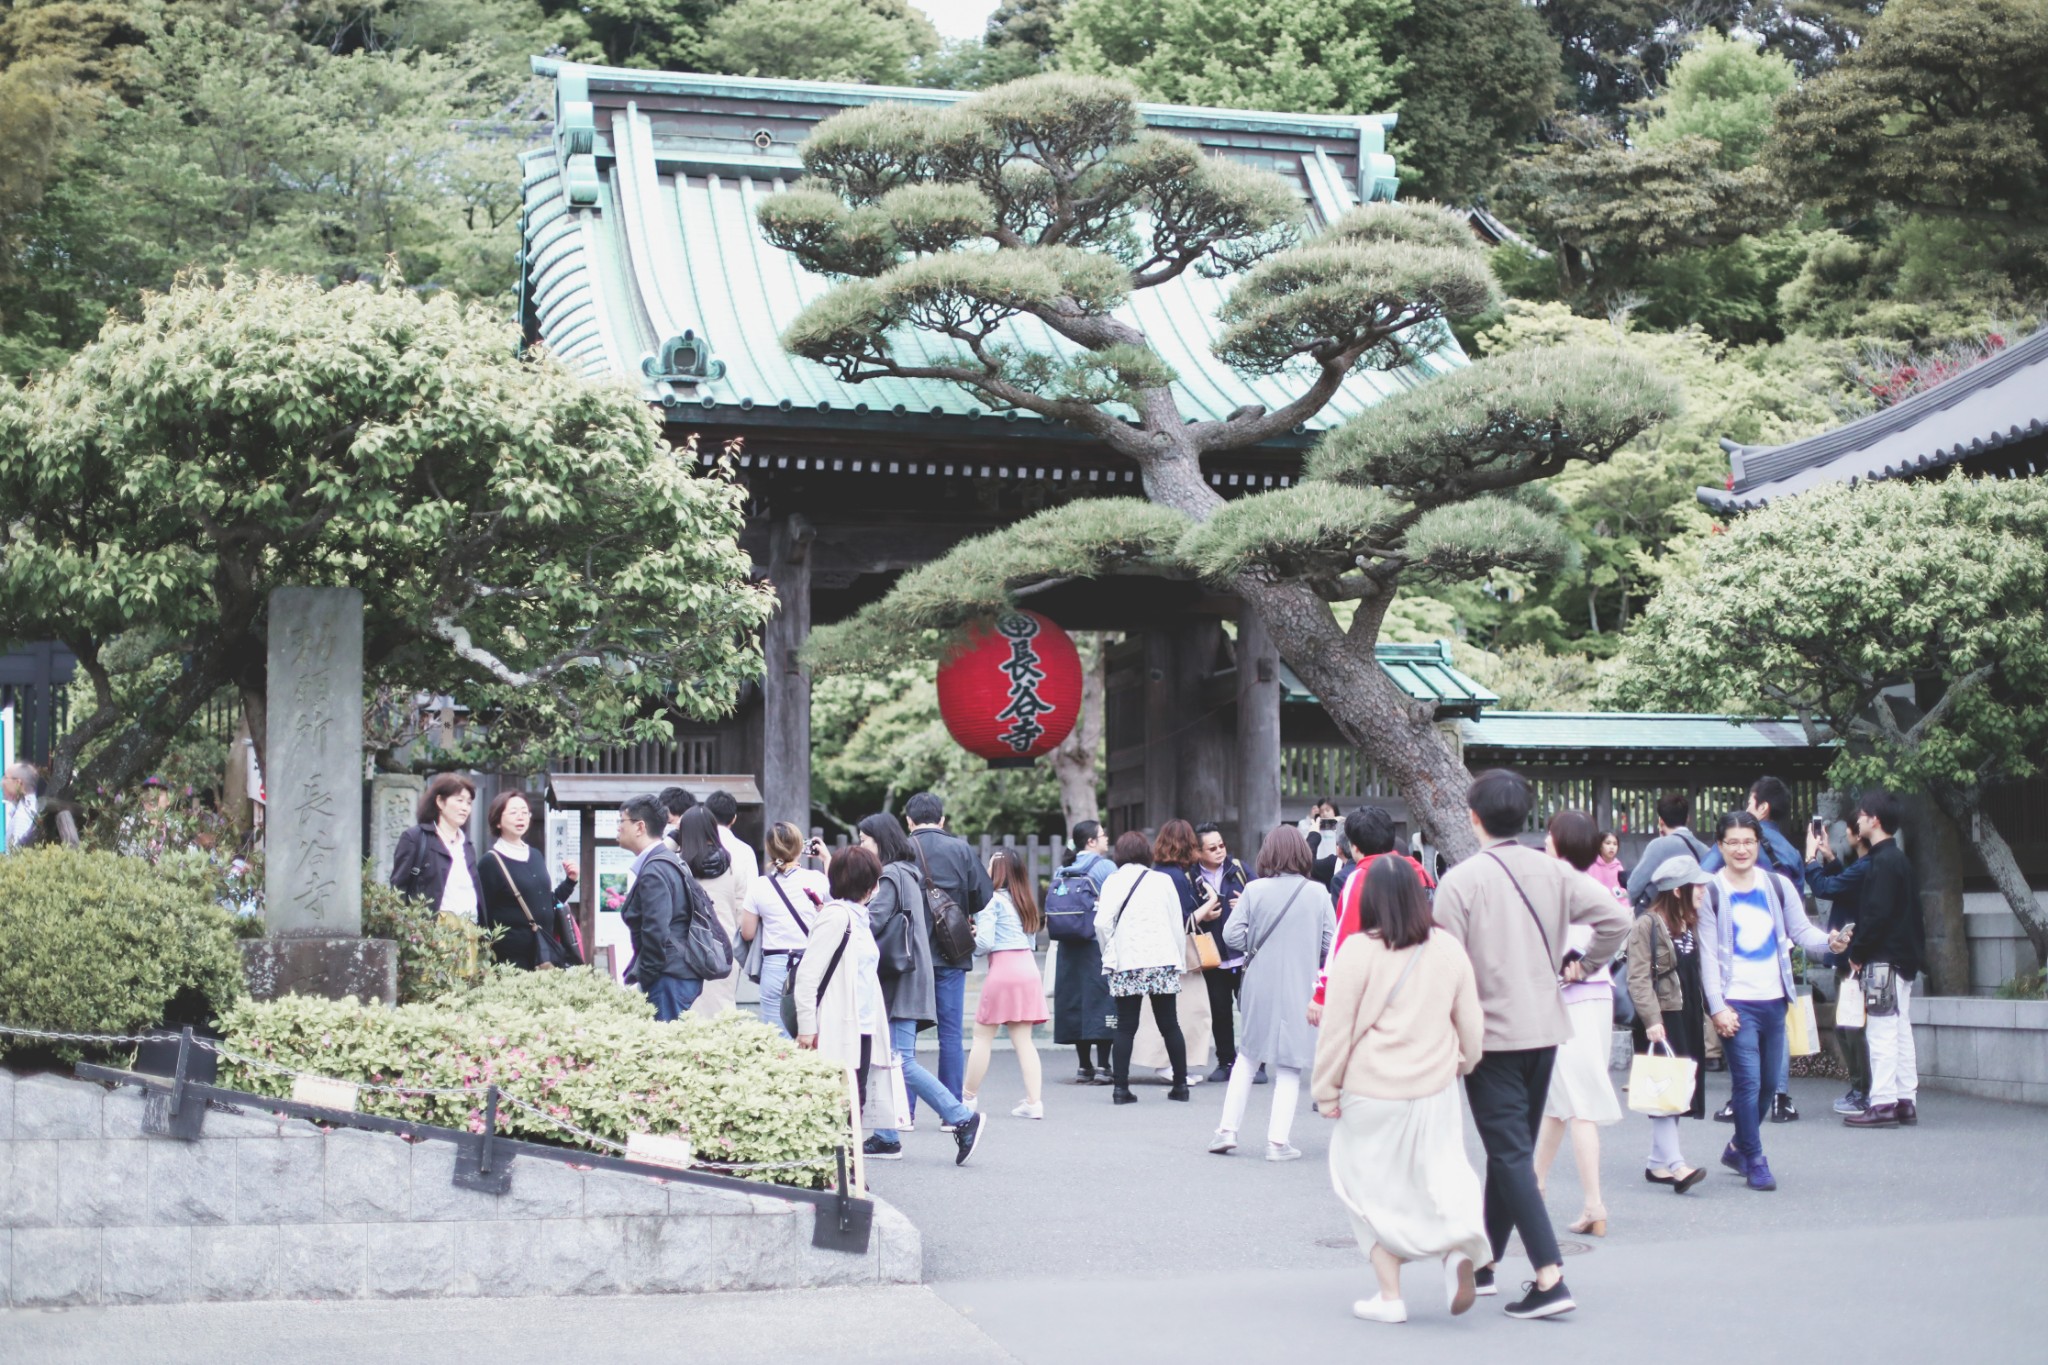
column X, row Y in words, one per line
column 642, row 259
column 1993, row 415
column 1423, row 671
column 1586, row 735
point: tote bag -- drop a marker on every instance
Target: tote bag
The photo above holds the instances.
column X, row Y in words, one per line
column 1660, row 1084
column 1802, row 1031
column 1849, row 1011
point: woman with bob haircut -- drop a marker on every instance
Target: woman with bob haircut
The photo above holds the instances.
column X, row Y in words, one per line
column 1144, row 945
column 1401, row 1023
column 1283, row 925
column 839, row 1015
column 433, row 861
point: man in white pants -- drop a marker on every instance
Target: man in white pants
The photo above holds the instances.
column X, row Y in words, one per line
column 1888, row 950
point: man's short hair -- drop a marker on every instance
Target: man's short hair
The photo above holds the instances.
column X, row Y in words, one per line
column 1369, row 830
column 1501, row 799
column 1738, row 819
column 675, row 800
column 649, row 812
column 1883, row 807
column 1772, row 794
column 24, row 773
column 1675, row 810
column 723, row 805
column 1207, row 828
column 925, row 808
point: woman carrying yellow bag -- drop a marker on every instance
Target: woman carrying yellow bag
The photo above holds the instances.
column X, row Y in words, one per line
column 1664, row 983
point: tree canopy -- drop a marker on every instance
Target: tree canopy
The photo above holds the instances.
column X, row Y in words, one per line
column 522, row 538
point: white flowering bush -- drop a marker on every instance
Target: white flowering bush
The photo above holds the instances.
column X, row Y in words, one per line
column 585, row 1051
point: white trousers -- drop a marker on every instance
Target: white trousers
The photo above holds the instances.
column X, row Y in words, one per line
column 1894, row 1068
column 1286, row 1098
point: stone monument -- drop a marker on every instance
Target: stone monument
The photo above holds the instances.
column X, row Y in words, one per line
column 394, row 809
column 313, row 819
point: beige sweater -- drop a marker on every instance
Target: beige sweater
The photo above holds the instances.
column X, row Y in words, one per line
column 1515, row 962
column 1407, row 1050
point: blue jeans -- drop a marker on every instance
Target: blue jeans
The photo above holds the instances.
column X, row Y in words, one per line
column 1756, row 1047
column 949, row 989
column 919, row 1082
column 774, row 977
column 673, row 996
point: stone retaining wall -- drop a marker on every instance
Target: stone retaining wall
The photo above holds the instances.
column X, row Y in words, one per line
column 93, row 1211
column 1994, row 1048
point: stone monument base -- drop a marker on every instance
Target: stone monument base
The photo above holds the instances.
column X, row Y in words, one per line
column 332, row 967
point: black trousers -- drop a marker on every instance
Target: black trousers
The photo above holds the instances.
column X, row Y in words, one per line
column 1166, row 1014
column 1223, row 984
column 1506, row 1091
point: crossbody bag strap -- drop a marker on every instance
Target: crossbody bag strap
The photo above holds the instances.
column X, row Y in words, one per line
column 833, row 965
column 1127, row 902
column 1394, row 994
column 924, row 868
column 517, row 895
column 1549, row 952
column 1253, row 951
column 775, row 880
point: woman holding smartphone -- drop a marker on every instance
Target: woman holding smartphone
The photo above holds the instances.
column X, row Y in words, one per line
column 779, row 909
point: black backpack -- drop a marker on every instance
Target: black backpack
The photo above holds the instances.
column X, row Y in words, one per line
column 1070, row 906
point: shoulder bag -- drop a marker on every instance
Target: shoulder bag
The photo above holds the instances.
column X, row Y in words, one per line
column 1252, row 950
column 789, row 982
column 757, row 951
column 548, row 952
column 1205, row 951
column 899, row 955
column 952, row 931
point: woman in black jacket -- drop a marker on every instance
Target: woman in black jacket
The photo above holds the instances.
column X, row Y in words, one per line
column 512, row 883
column 433, row 861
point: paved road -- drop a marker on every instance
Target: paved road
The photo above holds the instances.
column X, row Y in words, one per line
column 1109, row 1234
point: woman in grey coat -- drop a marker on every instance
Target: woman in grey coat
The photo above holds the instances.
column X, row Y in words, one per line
column 1283, row 924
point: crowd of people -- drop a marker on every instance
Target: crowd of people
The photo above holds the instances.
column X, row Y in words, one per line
column 1338, row 959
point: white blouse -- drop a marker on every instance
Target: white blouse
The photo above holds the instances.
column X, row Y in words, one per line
column 458, row 894
column 779, row 932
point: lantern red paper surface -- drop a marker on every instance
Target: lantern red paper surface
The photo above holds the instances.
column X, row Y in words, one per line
column 1012, row 690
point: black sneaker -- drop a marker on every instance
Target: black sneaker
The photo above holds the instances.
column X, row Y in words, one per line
column 875, row 1149
column 1260, row 1078
column 1085, row 1076
column 1542, row 1303
column 1482, row 1283
column 968, row 1136
column 1179, row 1092
column 1220, row 1074
column 1726, row 1113
column 1782, row 1110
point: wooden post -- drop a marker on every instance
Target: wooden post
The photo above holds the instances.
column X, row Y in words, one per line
column 1162, row 759
column 1258, row 731
column 786, row 684
column 586, row 875
column 1204, row 752
column 1603, row 801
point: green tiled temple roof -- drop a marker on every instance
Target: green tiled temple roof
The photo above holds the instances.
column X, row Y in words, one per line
column 1424, row 672
column 1592, row 732
column 642, row 259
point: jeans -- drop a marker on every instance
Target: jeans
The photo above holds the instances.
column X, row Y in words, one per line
column 1757, row 1044
column 949, row 992
column 774, row 978
column 1506, row 1091
column 1894, row 1065
column 919, row 1082
column 673, row 996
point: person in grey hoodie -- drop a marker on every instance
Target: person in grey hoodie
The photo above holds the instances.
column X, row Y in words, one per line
column 1674, row 839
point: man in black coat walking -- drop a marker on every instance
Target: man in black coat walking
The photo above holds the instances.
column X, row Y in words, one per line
column 956, row 871
column 1888, row 950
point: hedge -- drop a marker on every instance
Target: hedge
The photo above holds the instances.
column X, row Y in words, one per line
column 584, row 1049
column 437, row 953
column 93, row 942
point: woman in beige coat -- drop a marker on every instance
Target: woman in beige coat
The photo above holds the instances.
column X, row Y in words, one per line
column 1401, row 1022
column 841, row 1020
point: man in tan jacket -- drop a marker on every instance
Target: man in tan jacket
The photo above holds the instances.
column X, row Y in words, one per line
column 1510, row 906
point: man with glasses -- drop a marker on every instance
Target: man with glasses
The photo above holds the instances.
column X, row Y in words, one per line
column 1219, row 878
column 1757, row 917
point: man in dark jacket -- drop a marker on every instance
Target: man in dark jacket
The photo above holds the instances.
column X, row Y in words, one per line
column 1841, row 886
column 956, row 871
column 1888, row 950
column 656, row 910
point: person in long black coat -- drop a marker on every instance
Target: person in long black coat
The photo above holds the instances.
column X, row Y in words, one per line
column 1083, row 1015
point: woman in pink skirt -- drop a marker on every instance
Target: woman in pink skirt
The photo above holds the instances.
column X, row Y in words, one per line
column 1012, row 997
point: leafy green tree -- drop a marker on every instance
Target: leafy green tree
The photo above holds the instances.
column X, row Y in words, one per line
column 1047, row 198
column 522, row 538
column 1722, row 90
column 1942, row 111
column 1311, row 56
column 873, row 41
column 1480, row 78
column 1908, row 620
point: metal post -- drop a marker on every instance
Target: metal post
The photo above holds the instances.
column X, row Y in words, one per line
column 483, row 1156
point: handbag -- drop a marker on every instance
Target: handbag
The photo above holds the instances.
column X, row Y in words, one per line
column 707, row 952
column 789, row 982
column 1850, row 1008
column 899, row 955
column 1802, row 1032
column 1205, row 952
column 547, row 949
column 1661, row 1085
column 1880, row 990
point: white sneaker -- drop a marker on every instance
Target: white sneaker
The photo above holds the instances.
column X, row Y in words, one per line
column 1459, row 1288
column 1194, row 1077
column 1027, row 1110
column 1225, row 1143
column 1377, row 1309
column 1285, row 1151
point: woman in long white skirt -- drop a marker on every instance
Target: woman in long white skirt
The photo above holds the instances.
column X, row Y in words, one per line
column 1401, row 1022
column 1582, row 1099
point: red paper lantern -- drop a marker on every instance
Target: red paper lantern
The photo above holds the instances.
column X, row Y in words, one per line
column 1012, row 690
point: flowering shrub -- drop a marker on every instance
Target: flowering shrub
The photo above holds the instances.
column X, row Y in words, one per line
column 437, row 953
column 586, row 1051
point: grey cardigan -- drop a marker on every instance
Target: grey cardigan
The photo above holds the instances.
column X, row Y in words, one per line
column 901, row 891
column 1281, row 979
column 1718, row 929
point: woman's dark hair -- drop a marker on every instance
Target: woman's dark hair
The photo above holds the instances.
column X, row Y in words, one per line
column 1007, row 872
column 503, row 799
column 1175, row 845
column 697, row 840
column 887, row 832
column 1738, row 819
column 1285, row 853
column 440, row 787
column 1392, row 904
column 1083, row 832
column 1679, row 908
column 1576, row 837
column 853, row 873
column 1500, row 798
column 1132, row 847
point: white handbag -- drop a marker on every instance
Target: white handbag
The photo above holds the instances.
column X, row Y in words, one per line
column 1661, row 1085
